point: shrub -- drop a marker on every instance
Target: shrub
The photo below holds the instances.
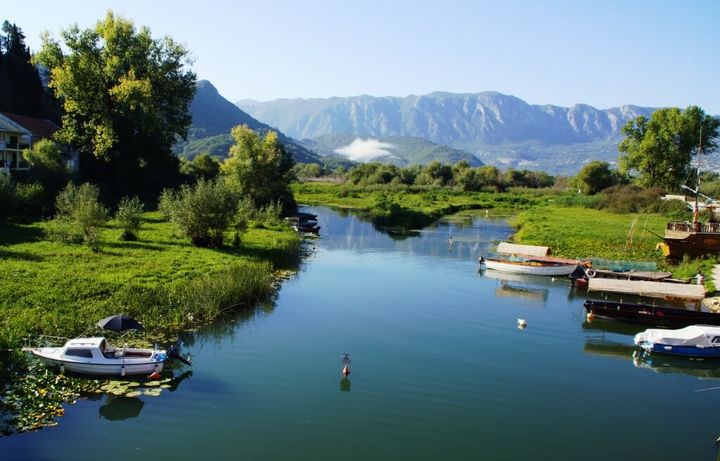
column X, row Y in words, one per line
column 7, row 195
column 128, row 216
column 202, row 212
column 79, row 212
column 31, row 200
column 631, row 199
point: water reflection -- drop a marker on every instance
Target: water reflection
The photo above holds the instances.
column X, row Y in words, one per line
column 658, row 363
column 345, row 385
column 613, row 326
column 470, row 237
column 528, row 287
column 120, row 408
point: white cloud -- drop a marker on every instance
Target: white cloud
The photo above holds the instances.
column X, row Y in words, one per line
column 365, row 150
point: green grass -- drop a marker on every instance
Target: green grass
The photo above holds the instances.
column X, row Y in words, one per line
column 59, row 289
column 431, row 202
column 576, row 232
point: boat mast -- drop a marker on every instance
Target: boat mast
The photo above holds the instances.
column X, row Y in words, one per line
column 697, row 186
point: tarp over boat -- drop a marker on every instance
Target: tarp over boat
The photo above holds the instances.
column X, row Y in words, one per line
column 530, row 250
column 649, row 289
column 694, row 335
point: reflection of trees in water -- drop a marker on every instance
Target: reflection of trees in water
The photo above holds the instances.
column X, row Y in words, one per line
column 226, row 325
column 120, row 408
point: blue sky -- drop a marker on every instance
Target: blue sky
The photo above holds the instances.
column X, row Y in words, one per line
column 604, row 53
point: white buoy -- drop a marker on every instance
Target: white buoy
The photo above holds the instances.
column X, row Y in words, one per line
column 521, row 324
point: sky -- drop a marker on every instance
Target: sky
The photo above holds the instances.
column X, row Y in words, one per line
column 605, row 53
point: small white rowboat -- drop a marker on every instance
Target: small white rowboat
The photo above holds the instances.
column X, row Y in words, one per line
column 530, row 267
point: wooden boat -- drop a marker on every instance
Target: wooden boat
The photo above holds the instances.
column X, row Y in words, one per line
column 634, row 306
column 693, row 239
column 532, row 266
column 532, row 260
column 691, row 341
column 95, row 356
column 582, row 280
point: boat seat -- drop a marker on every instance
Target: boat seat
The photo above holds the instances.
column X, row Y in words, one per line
column 109, row 352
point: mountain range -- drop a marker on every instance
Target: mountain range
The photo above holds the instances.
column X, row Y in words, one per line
column 212, row 119
column 398, row 150
column 499, row 129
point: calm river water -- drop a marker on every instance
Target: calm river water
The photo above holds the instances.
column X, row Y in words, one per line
column 440, row 371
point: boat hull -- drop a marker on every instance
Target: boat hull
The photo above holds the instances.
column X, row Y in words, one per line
column 650, row 315
column 682, row 351
column 532, row 268
column 51, row 357
column 691, row 239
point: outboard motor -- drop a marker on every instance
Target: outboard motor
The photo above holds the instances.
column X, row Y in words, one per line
column 173, row 354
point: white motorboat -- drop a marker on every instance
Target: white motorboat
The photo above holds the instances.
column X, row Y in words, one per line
column 691, row 341
column 95, row 356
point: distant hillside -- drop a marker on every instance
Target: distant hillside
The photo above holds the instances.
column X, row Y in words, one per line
column 398, row 150
column 502, row 130
column 214, row 117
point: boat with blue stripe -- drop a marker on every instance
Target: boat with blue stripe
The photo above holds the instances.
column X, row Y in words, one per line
column 692, row 341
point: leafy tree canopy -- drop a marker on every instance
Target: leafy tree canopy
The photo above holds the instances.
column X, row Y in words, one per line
column 594, row 177
column 659, row 150
column 259, row 168
column 125, row 98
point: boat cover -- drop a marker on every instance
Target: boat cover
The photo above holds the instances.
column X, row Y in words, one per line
column 531, row 250
column 694, row 335
column 659, row 290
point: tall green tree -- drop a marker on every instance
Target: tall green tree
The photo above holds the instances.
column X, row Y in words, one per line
column 659, row 150
column 259, row 168
column 125, row 97
column 594, row 177
column 21, row 90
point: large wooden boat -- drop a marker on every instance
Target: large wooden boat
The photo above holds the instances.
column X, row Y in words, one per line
column 693, row 239
column 655, row 303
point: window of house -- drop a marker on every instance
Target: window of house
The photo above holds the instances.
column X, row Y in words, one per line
column 13, row 142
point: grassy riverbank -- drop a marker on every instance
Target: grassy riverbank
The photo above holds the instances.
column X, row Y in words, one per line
column 414, row 207
column 58, row 289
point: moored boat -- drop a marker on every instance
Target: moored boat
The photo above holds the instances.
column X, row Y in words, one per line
column 582, row 279
column 95, row 356
column 655, row 303
column 529, row 266
column 693, row 239
column 691, row 341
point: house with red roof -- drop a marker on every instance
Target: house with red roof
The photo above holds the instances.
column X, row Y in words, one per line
column 20, row 132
